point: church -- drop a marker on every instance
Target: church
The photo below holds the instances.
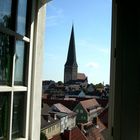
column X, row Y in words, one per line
column 71, row 75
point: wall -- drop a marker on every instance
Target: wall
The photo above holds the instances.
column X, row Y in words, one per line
column 125, row 89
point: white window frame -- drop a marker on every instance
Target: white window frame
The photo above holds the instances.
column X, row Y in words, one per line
column 34, row 87
column 15, row 88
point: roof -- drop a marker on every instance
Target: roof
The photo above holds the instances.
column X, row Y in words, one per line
column 95, row 132
column 81, row 76
column 47, row 82
column 71, row 58
column 76, row 82
column 74, row 93
column 68, row 103
column 45, row 123
column 104, row 117
column 74, row 134
column 45, row 109
column 56, row 137
column 61, row 114
column 46, row 119
column 89, row 104
column 103, row 102
column 61, row 108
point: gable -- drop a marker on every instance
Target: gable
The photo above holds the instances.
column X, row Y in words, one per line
column 78, row 108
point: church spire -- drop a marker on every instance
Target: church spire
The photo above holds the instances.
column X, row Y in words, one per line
column 71, row 57
column 70, row 69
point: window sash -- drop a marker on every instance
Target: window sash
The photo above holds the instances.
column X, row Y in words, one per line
column 13, row 33
column 11, row 88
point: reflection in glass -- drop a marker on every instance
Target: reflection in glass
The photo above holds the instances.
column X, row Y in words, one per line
column 5, row 59
column 18, row 115
column 19, row 63
column 5, row 13
column 4, row 115
column 21, row 17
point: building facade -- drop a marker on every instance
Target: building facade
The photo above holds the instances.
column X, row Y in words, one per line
column 87, row 110
column 21, row 48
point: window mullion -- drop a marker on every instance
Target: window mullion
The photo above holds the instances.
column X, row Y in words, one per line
column 12, row 98
column 29, row 83
column 11, row 115
column 13, row 70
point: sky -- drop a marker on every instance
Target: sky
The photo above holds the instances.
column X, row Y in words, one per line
column 92, row 29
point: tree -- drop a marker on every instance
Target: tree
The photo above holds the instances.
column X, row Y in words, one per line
column 100, row 85
column 43, row 136
column 60, row 83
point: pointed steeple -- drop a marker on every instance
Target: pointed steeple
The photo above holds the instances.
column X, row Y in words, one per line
column 70, row 69
column 71, row 57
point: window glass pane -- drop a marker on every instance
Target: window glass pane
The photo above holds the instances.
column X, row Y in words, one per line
column 5, row 12
column 4, row 115
column 21, row 16
column 19, row 63
column 19, row 106
column 5, row 59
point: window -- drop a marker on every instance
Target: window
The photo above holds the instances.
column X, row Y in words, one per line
column 5, row 58
column 81, row 111
column 14, row 57
column 5, row 13
column 12, row 42
column 4, row 115
column 49, row 130
column 58, row 125
column 18, row 115
column 77, row 110
column 53, row 128
column 19, row 63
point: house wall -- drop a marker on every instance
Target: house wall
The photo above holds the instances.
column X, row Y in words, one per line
column 92, row 114
column 124, row 121
column 52, row 131
column 81, row 114
column 90, row 88
column 64, row 123
column 71, row 122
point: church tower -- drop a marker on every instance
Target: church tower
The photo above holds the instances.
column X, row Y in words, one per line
column 70, row 68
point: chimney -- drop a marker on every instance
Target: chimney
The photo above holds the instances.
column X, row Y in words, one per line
column 53, row 115
column 81, row 127
column 94, row 121
column 67, row 134
column 47, row 117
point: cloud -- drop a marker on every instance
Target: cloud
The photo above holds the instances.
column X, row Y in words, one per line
column 93, row 65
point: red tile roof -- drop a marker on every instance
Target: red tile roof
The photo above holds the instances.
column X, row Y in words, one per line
column 89, row 104
column 68, row 103
column 104, row 117
column 95, row 132
column 102, row 102
column 57, row 137
column 61, row 108
column 74, row 134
